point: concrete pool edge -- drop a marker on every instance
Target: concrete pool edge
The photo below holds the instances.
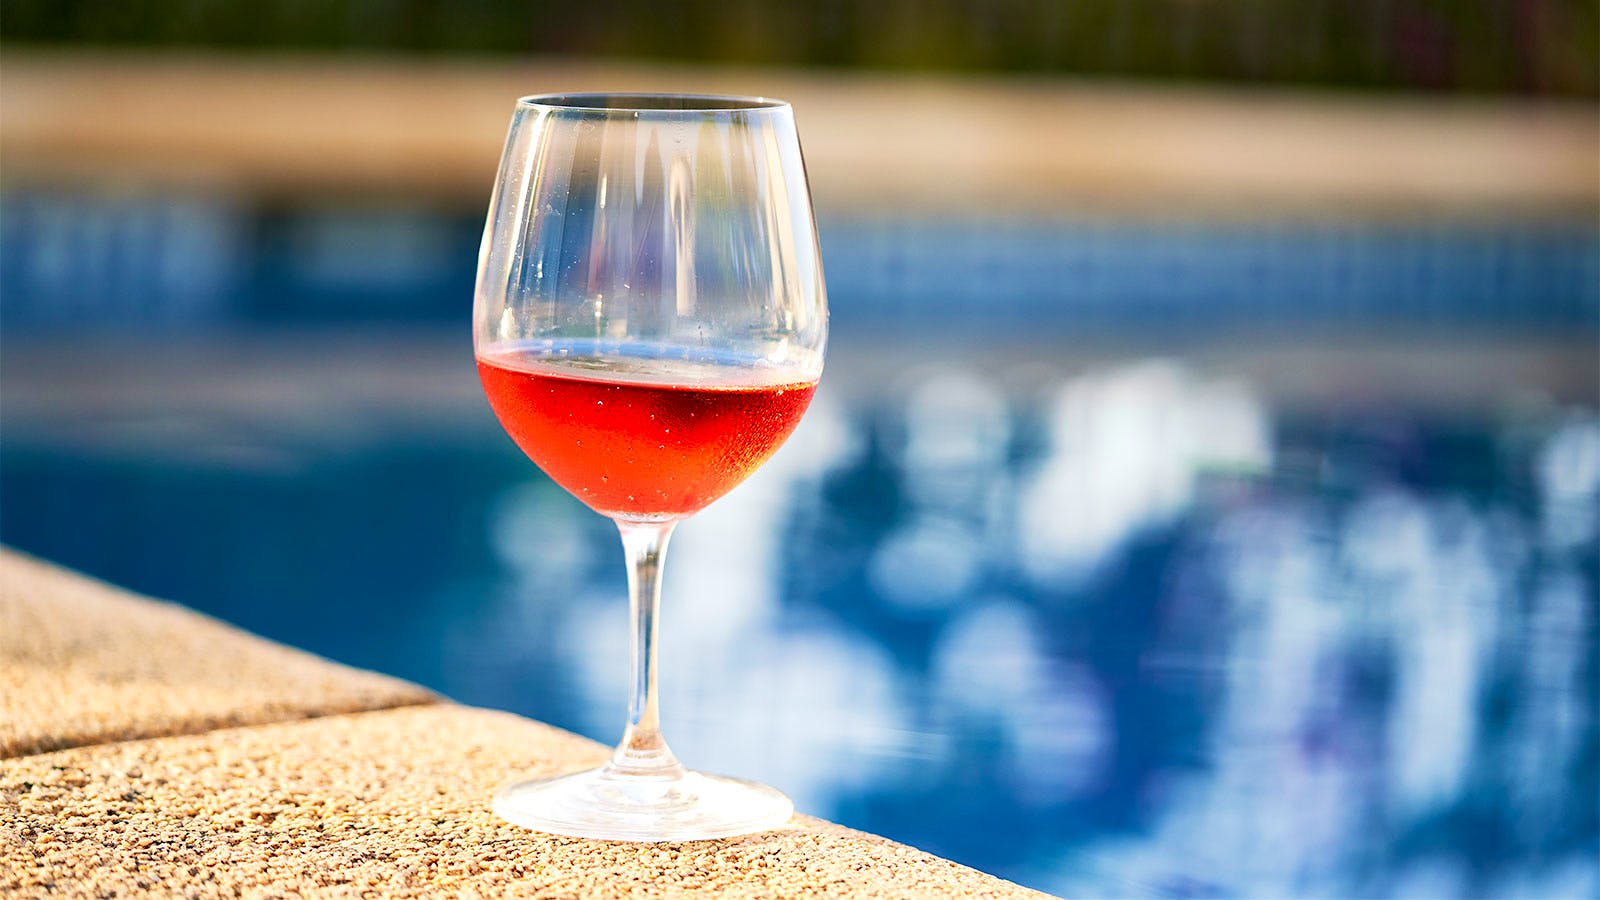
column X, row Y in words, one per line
column 392, row 798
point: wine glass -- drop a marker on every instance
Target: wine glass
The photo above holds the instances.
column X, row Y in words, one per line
column 649, row 326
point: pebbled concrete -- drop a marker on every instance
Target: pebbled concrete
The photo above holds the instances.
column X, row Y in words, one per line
column 82, row 662
column 391, row 802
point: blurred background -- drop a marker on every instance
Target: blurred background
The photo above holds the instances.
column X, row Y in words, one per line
column 1201, row 500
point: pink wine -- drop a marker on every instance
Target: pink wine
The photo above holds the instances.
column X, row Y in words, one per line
column 643, row 437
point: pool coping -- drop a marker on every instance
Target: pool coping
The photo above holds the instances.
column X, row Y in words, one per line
column 219, row 763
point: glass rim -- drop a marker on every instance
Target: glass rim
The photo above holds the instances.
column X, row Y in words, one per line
column 650, row 102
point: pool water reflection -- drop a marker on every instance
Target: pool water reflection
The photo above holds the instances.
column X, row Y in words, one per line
column 1140, row 629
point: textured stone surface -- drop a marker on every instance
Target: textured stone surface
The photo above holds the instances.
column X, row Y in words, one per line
column 357, row 803
column 82, row 662
column 390, row 804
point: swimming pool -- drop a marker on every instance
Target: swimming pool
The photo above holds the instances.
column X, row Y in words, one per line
column 1150, row 625
column 1119, row 560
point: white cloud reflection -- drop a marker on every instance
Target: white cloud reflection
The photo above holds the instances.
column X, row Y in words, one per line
column 1568, row 470
column 1126, row 447
column 989, row 663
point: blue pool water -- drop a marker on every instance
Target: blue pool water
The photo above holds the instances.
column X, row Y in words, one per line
column 1119, row 560
column 155, row 261
column 1135, row 628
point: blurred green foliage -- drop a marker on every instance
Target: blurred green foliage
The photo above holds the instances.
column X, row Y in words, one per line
column 1539, row 47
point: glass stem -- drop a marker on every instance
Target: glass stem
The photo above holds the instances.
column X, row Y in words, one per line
column 643, row 752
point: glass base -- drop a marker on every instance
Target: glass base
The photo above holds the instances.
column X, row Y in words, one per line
column 606, row 805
